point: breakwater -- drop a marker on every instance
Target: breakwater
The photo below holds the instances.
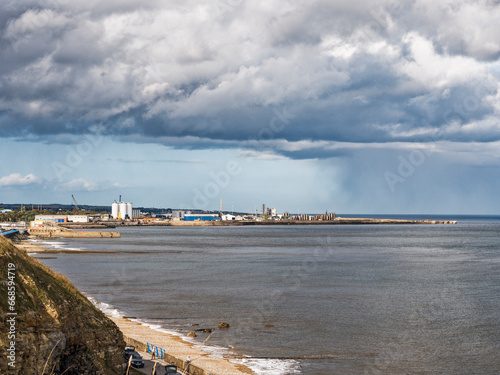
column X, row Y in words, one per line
column 87, row 225
column 66, row 233
column 337, row 221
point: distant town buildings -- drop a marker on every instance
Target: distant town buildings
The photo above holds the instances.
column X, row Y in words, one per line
column 122, row 213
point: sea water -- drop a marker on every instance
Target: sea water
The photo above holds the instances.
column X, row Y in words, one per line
column 346, row 299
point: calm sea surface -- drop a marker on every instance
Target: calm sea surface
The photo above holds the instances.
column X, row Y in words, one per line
column 416, row 299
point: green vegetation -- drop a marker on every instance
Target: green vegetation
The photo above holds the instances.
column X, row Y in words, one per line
column 47, row 302
column 20, row 215
column 40, row 281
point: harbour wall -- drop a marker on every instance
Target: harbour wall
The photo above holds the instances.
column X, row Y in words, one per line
column 51, row 233
column 337, row 221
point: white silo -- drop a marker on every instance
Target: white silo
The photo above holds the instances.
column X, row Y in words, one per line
column 114, row 210
column 122, row 210
column 129, row 210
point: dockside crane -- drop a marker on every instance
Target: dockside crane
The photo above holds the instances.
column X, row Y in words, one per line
column 74, row 201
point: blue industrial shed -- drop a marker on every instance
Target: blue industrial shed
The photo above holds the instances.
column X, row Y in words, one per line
column 200, row 217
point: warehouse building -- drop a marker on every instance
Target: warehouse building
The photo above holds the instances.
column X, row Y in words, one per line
column 78, row 218
column 41, row 219
column 51, row 218
column 200, row 217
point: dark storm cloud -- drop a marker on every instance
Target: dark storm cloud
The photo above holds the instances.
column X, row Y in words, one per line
column 201, row 75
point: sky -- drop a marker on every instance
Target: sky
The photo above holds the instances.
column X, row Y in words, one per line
column 307, row 106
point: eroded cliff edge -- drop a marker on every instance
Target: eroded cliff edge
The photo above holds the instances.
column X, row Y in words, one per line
column 57, row 330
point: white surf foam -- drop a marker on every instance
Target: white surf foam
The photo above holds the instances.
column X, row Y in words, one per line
column 55, row 245
column 270, row 366
column 257, row 365
column 106, row 308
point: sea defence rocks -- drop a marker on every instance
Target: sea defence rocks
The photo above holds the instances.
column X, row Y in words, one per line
column 57, row 330
column 223, row 325
column 205, row 330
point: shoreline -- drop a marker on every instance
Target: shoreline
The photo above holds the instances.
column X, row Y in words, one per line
column 177, row 350
column 336, row 221
column 62, row 231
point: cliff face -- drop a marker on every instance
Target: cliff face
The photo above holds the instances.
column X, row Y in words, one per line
column 57, row 330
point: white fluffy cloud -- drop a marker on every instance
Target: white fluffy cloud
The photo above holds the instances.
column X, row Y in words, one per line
column 86, row 185
column 16, row 179
column 79, row 184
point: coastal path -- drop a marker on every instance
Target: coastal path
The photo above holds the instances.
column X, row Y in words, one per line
column 148, row 365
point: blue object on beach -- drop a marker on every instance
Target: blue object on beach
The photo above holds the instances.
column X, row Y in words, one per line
column 9, row 233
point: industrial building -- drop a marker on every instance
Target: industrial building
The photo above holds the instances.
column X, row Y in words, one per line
column 40, row 220
column 78, row 218
column 228, row 217
column 179, row 214
column 121, row 210
column 52, row 218
column 201, row 217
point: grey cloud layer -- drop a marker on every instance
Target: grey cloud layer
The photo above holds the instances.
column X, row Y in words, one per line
column 213, row 74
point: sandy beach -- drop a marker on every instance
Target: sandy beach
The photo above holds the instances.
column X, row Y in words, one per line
column 177, row 350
